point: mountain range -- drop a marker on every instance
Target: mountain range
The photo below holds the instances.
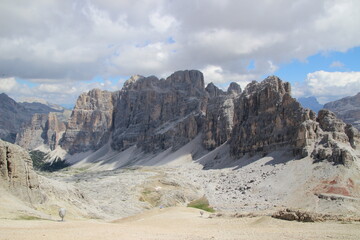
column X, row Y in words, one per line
column 348, row 109
column 164, row 142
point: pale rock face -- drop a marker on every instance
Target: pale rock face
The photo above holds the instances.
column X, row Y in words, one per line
column 219, row 120
column 17, row 174
column 336, row 141
column 158, row 114
column 90, row 122
column 43, row 129
column 266, row 117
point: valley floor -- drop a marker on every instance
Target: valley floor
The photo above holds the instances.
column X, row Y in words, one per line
column 177, row 223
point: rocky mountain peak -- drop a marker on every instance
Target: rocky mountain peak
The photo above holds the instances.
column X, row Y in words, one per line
column 347, row 109
column 213, row 90
column 94, row 99
column 91, row 120
column 191, row 80
column 131, row 81
column 12, row 116
column 158, row 114
column 234, row 88
column 311, row 103
column 266, row 117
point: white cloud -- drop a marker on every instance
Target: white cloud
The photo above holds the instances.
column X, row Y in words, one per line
column 60, row 93
column 161, row 23
column 73, row 41
column 218, row 76
column 7, row 84
column 329, row 86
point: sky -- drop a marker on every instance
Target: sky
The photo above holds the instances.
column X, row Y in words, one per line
column 57, row 49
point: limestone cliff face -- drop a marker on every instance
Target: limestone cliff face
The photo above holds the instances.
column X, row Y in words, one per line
column 158, row 114
column 331, row 139
column 16, row 173
column 219, row 120
column 266, row 117
column 43, row 129
column 90, row 123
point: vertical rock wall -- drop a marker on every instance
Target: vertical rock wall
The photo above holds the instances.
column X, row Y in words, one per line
column 90, row 123
column 16, row 173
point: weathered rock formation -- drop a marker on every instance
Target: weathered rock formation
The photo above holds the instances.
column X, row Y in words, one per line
column 266, row 117
column 336, row 140
column 43, row 129
column 219, row 116
column 90, row 122
column 16, row 173
column 347, row 109
column 158, row 114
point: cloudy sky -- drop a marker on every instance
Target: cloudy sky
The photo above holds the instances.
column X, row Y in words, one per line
column 56, row 49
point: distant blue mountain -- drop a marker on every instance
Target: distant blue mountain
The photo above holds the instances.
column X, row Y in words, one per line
column 312, row 103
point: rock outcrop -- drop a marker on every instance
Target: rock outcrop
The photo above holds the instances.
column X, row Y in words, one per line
column 90, row 123
column 219, row 115
column 158, row 114
column 347, row 109
column 16, row 173
column 42, row 130
column 336, row 140
column 266, row 117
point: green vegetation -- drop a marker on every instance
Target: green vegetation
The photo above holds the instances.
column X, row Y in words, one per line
column 40, row 164
column 201, row 203
column 28, row 217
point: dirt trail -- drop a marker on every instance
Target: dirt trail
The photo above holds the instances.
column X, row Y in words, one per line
column 177, row 223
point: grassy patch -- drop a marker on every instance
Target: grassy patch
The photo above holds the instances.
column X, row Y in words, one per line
column 201, row 203
column 150, row 196
column 28, row 217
